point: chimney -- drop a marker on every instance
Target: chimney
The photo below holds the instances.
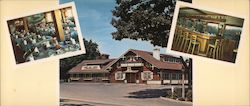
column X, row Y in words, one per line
column 156, row 53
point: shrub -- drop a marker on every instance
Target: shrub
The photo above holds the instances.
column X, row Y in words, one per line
column 189, row 95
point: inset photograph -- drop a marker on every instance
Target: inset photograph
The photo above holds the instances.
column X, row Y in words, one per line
column 45, row 34
column 126, row 63
column 208, row 34
column 136, row 77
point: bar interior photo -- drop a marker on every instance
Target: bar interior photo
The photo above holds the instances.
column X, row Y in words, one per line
column 207, row 34
column 43, row 35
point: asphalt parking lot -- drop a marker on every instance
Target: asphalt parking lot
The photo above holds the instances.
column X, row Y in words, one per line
column 113, row 94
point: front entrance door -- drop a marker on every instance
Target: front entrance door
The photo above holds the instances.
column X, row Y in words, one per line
column 131, row 77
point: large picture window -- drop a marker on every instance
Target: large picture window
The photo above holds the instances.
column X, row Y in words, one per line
column 233, row 33
column 212, row 28
column 148, row 75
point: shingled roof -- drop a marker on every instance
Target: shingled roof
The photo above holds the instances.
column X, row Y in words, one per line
column 147, row 56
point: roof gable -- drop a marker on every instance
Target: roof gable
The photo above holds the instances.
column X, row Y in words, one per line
column 157, row 63
column 147, row 56
column 78, row 68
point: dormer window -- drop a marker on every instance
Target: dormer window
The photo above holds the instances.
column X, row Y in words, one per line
column 91, row 67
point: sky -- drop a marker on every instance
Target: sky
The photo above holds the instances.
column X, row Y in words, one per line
column 95, row 17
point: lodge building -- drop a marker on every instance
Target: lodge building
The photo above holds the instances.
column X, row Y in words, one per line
column 134, row 66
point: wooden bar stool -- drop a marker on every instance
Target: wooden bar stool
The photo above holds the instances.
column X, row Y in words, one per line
column 215, row 50
column 178, row 39
column 175, row 37
column 186, row 39
column 193, row 43
column 220, row 49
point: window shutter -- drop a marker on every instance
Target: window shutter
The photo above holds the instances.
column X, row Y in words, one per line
column 123, row 76
column 142, row 75
column 151, row 75
column 116, row 76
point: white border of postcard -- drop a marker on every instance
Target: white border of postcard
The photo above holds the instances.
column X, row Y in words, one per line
column 68, row 54
column 172, row 31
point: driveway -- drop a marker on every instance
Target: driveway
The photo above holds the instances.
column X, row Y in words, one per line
column 114, row 94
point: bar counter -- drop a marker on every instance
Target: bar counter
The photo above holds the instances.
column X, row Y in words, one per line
column 203, row 38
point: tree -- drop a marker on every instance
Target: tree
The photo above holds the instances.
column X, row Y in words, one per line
column 148, row 20
column 188, row 68
column 67, row 63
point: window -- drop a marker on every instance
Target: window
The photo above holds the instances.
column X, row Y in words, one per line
column 119, row 76
column 166, row 76
column 174, row 76
column 212, row 28
column 147, row 75
column 173, row 60
column 88, row 75
column 75, row 75
column 81, row 75
column 233, row 33
column 180, row 76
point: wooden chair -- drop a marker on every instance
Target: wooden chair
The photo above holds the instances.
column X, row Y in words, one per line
column 215, row 50
column 193, row 43
column 227, row 51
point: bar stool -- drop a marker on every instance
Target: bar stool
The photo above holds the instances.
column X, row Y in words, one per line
column 178, row 39
column 175, row 37
column 193, row 43
column 186, row 39
column 215, row 49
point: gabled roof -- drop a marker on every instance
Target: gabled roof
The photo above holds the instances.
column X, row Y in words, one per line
column 78, row 68
column 157, row 63
column 147, row 56
column 99, row 61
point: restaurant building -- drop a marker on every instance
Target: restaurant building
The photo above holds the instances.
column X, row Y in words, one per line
column 134, row 66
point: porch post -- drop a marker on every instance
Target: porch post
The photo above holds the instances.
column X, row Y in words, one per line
column 183, row 85
column 161, row 77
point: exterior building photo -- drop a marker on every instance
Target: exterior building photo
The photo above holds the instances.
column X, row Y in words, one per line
column 134, row 66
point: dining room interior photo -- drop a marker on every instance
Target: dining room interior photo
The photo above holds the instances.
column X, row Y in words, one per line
column 43, row 35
